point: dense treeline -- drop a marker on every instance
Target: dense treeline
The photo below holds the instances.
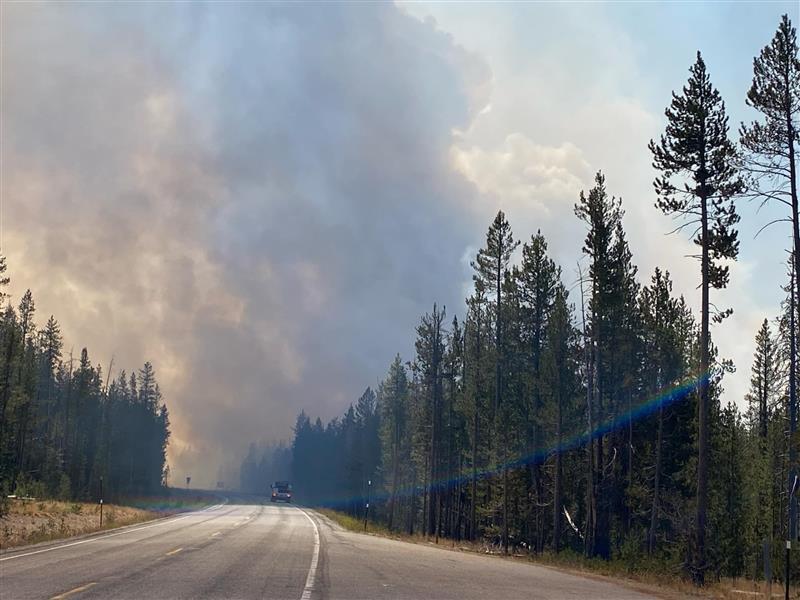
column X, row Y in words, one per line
column 334, row 464
column 263, row 465
column 68, row 430
column 587, row 416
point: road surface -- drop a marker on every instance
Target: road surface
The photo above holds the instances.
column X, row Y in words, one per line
column 275, row 551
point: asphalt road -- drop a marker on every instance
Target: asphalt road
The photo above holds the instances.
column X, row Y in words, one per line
column 275, row 551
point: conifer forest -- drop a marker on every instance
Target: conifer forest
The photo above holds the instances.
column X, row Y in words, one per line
column 562, row 409
column 68, row 428
column 577, row 408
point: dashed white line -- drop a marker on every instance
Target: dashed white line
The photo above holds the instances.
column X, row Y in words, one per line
column 312, row 571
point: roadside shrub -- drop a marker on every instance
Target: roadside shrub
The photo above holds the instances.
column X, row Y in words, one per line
column 4, row 504
column 64, row 488
column 631, row 551
column 36, row 489
column 21, row 487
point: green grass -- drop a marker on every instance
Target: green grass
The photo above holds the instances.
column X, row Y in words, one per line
column 357, row 525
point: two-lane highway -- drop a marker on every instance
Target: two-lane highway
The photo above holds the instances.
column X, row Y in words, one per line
column 229, row 551
column 274, row 551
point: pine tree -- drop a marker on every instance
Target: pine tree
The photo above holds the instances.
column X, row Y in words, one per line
column 770, row 146
column 770, row 162
column 763, row 381
column 697, row 184
column 490, row 267
column 559, row 383
column 368, row 439
column 27, row 388
column 476, row 334
column 452, row 505
column 611, row 275
column 9, row 352
column 26, row 311
column 538, row 282
column 662, row 367
column 4, row 279
column 788, row 370
column 393, row 394
column 147, row 386
column 731, row 473
column 428, row 366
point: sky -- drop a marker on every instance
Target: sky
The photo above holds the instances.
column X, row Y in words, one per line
column 262, row 199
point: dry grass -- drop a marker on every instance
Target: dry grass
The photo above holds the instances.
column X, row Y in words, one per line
column 34, row 521
column 656, row 579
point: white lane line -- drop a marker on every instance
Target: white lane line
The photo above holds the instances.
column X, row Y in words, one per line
column 110, row 535
column 312, row 571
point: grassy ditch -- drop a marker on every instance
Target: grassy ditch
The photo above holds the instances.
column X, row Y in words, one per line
column 34, row 521
column 31, row 521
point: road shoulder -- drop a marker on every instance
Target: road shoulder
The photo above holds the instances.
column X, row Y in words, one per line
column 664, row 592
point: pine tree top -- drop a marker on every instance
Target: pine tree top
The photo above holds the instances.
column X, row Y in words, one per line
column 492, row 261
column 699, row 170
column 776, row 75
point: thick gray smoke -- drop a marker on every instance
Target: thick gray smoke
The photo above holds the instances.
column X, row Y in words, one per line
column 262, row 198
column 257, row 198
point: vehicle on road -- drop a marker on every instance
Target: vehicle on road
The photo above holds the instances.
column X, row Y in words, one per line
column 281, row 492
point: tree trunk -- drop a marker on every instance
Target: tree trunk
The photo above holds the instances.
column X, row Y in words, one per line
column 505, row 500
column 703, row 430
column 557, row 482
column 413, row 504
column 629, row 501
column 588, row 539
column 475, row 426
column 602, row 544
column 792, row 533
column 460, row 499
column 448, row 476
column 425, row 497
column 793, row 192
column 6, row 382
column 796, row 304
column 474, row 501
column 651, row 535
column 395, row 462
column 762, row 409
column 432, row 493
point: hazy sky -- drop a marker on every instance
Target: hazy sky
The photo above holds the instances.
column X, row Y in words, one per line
column 262, row 199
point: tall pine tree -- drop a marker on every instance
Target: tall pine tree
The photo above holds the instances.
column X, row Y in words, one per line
column 698, row 182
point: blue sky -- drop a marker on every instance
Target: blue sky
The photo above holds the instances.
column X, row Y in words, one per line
column 560, row 71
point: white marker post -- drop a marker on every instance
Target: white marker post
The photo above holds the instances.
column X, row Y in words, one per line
column 366, row 509
column 101, row 502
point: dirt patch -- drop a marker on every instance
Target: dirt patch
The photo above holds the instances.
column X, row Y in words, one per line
column 33, row 521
